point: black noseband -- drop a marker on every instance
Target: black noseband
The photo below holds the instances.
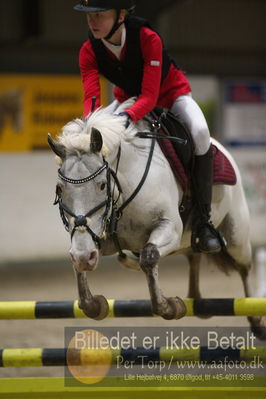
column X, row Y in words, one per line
column 81, row 221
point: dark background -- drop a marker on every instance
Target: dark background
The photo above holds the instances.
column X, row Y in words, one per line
column 217, row 37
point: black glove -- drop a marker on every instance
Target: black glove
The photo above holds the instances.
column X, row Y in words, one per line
column 128, row 120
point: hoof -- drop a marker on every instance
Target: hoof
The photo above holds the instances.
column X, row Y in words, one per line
column 97, row 308
column 259, row 332
column 176, row 309
column 258, row 327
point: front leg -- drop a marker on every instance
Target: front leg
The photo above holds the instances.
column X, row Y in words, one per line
column 94, row 306
column 163, row 240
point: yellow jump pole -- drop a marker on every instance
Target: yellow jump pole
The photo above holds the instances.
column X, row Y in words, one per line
column 40, row 357
column 132, row 308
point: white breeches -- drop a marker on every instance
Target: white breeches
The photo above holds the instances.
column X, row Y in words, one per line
column 190, row 114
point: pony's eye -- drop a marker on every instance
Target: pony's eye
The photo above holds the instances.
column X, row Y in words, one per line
column 102, row 187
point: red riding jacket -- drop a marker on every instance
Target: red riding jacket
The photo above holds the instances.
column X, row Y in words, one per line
column 153, row 91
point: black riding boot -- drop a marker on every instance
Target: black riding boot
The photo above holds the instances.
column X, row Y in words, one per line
column 204, row 236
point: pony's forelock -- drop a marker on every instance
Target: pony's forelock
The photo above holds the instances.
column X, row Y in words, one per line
column 76, row 135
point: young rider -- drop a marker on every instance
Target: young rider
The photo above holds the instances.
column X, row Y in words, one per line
column 130, row 54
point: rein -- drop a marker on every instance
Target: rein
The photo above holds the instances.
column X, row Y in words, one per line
column 117, row 212
column 81, row 222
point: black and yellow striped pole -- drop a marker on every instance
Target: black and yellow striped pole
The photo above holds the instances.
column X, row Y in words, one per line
column 39, row 357
column 132, row 308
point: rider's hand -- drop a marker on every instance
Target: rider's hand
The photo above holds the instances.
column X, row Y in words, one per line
column 128, row 120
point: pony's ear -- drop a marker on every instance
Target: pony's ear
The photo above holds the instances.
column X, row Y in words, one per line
column 96, row 140
column 57, row 148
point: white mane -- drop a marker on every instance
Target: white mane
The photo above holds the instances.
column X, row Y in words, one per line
column 76, row 135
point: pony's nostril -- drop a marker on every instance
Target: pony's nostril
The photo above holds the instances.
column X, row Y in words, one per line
column 93, row 257
column 84, row 261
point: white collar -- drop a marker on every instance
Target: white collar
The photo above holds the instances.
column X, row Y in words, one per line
column 114, row 48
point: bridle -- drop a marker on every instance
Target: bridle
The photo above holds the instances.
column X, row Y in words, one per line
column 82, row 222
column 112, row 213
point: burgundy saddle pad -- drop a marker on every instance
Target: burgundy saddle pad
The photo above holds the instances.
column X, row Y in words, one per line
column 223, row 171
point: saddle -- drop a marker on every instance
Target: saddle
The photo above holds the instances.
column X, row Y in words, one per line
column 181, row 155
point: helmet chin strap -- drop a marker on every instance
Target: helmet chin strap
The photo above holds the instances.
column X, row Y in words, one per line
column 115, row 26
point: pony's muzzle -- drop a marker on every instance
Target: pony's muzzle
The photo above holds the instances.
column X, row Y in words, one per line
column 84, row 262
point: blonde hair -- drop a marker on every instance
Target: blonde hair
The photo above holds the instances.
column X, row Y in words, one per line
column 124, row 12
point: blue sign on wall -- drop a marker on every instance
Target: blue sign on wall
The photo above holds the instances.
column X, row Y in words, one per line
column 245, row 92
column 244, row 112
